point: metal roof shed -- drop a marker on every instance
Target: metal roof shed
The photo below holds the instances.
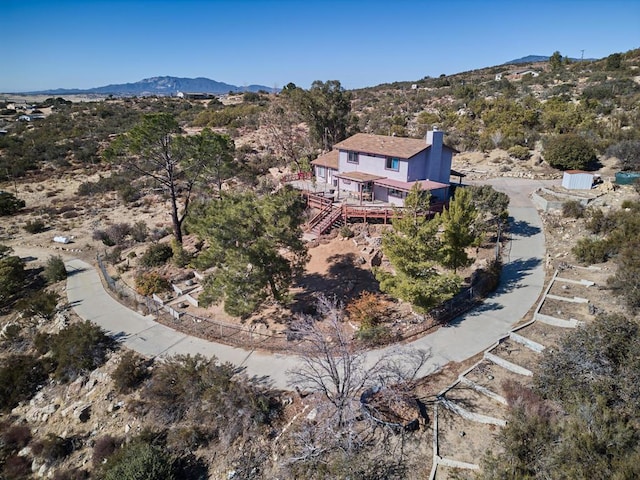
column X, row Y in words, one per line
column 577, row 180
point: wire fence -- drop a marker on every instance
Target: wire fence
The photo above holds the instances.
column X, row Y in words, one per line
column 207, row 328
column 250, row 337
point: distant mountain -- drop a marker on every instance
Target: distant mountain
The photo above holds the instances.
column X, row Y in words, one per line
column 542, row 58
column 166, row 86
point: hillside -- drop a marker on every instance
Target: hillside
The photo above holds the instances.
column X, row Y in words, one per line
column 77, row 406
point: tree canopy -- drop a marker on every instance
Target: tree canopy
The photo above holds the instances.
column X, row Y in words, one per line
column 326, row 108
column 569, row 151
column 155, row 148
column 457, row 223
column 255, row 245
column 413, row 248
column 9, row 203
column 12, row 274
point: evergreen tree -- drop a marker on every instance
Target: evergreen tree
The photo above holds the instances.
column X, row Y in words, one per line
column 255, row 246
column 155, row 148
column 457, row 226
column 413, row 250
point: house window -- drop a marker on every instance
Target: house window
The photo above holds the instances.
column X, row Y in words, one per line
column 393, row 164
column 352, row 157
column 397, row 193
column 321, row 171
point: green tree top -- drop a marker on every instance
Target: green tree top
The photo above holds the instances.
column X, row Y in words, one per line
column 569, row 151
column 457, row 223
column 413, row 250
column 555, row 61
column 255, row 246
column 155, row 149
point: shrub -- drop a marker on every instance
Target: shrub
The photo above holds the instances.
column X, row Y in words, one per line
column 78, row 348
column 519, row 152
column 34, row 226
column 130, row 372
column 138, row 460
column 12, row 277
column 179, row 386
column 114, row 256
column 118, row 232
column 128, row 193
column 53, row 448
column 156, row 255
column 369, row 310
column 55, row 270
column 148, row 283
column 20, row 378
column 103, row 448
column 16, row 468
column 139, row 231
column 628, row 152
column 181, row 257
column 374, row 335
column 15, row 437
column 102, row 236
column 591, row 251
column 40, row 304
column 573, row 209
column 346, row 232
column 71, row 474
column 598, row 222
column 569, row 151
column 9, row 204
column 626, row 281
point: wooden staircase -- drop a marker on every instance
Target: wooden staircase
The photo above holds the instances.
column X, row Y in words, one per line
column 326, row 220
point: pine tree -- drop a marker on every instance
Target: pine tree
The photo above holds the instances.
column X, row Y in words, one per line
column 254, row 244
column 413, row 249
column 457, row 226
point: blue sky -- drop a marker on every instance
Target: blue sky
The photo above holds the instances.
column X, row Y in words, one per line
column 89, row 43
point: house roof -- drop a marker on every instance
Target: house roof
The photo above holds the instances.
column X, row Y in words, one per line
column 329, row 160
column 358, row 176
column 406, row 186
column 400, row 147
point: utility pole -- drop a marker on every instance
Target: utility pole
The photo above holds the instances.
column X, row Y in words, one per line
column 581, row 55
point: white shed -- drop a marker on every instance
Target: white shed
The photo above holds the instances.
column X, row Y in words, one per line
column 577, row 180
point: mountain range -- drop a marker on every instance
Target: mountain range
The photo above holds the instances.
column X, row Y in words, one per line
column 169, row 86
column 541, row 58
column 166, row 86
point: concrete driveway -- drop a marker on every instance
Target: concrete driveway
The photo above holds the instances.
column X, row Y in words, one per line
column 521, row 284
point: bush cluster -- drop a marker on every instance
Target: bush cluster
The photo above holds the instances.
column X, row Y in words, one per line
column 9, row 204
column 34, row 226
column 130, row 372
column 148, row 283
column 178, row 388
column 156, row 255
column 76, row 349
column 55, row 271
column 20, row 378
column 573, row 209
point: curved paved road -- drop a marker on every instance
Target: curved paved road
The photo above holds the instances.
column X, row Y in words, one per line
column 521, row 284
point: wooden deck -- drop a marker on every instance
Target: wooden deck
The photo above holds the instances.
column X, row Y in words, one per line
column 350, row 213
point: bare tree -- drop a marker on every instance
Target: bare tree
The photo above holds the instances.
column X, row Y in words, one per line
column 335, row 369
column 332, row 365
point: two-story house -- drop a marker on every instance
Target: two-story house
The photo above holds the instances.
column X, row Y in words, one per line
column 382, row 168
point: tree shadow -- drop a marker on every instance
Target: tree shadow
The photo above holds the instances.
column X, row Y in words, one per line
column 345, row 279
column 523, row 228
column 514, row 272
column 71, row 271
